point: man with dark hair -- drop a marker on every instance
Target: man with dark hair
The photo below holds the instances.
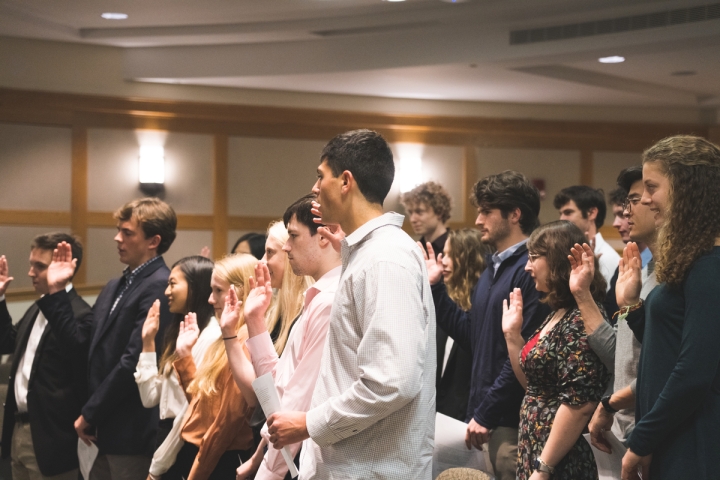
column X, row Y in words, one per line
column 48, row 383
column 372, row 412
column 114, row 416
column 616, row 412
column 585, row 207
column 297, row 370
column 508, row 207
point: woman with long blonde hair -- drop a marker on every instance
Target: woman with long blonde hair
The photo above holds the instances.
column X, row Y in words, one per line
column 288, row 300
column 216, row 431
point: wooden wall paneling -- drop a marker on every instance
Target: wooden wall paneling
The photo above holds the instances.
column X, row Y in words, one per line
column 79, row 193
column 34, row 217
column 257, row 224
column 586, row 167
column 469, row 179
column 220, row 195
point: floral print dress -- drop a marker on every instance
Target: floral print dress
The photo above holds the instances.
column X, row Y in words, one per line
column 560, row 368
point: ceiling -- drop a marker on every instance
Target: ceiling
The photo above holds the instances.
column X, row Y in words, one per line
column 426, row 49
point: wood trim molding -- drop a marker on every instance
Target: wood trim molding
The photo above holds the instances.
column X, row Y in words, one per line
column 79, row 192
column 49, row 108
column 34, row 217
column 25, row 294
column 220, row 195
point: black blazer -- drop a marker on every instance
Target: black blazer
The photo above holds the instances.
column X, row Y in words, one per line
column 122, row 425
column 57, row 388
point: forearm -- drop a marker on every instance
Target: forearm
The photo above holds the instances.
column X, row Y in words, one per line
column 255, row 325
column 592, row 317
column 148, row 346
column 242, row 369
column 603, row 342
column 148, row 382
column 624, row 398
column 569, row 423
column 515, row 344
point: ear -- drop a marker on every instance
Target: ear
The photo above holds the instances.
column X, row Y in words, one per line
column 155, row 242
column 322, row 241
column 515, row 215
column 347, row 181
column 592, row 213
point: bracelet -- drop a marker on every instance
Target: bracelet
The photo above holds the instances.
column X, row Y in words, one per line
column 229, row 338
column 624, row 311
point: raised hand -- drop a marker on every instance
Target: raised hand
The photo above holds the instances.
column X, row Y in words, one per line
column 260, row 296
column 187, row 336
column 332, row 232
column 231, row 313
column 582, row 263
column 512, row 318
column 62, row 267
column 205, row 252
column 151, row 327
column 433, row 265
column 629, row 282
column 4, row 278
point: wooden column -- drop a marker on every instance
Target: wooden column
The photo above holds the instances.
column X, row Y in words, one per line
column 79, row 194
column 469, row 179
column 220, row 196
column 586, row 167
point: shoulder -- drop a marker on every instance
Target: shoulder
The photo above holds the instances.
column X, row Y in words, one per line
column 705, row 271
column 388, row 246
column 79, row 305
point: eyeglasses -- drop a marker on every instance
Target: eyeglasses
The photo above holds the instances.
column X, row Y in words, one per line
column 533, row 256
column 630, row 202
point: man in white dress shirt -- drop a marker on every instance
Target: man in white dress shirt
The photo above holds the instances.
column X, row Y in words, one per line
column 373, row 409
column 585, row 207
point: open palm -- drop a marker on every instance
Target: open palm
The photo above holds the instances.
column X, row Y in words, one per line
column 512, row 318
column 260, row 296
column 433, row 265
column 582, row 263
column 5, row 279
column 62, row 267
column 187, row 336
column 629, row 282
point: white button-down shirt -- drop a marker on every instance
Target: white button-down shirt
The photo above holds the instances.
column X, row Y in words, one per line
column 24, row 368
column 373, row 412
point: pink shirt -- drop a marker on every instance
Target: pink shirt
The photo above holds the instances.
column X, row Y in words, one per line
column 296, row 372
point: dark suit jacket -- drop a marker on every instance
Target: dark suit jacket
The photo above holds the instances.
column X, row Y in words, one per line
column 122, row 425
column 57, row 388
column 453, row 388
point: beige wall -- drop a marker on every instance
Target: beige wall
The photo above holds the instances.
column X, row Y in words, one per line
column 34, row 167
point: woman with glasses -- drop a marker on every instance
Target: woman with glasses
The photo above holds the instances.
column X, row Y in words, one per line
column 678, row 384
column 563, row 377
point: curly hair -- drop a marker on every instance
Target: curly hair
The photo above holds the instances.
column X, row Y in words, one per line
column 692, row 164
column 431, row 194
column 554, row 241
column 467, row 254
column 507, row 191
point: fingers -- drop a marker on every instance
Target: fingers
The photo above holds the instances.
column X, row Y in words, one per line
column 265, row 275
column 505, row 306
column 181, row 330
column 425, row 255
column 518, row 300
column 467, row 440
column 430, row 251
column 576, row 253
column 191, row 319
column 231, row 298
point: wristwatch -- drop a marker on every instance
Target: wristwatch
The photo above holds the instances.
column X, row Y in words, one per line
column 543, row 467
column 606, row 404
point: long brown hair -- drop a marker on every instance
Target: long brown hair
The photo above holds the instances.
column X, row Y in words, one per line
column 692, row 164
column 554, row 241
column 467, row 254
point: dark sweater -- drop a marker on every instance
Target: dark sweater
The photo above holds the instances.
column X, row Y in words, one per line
column 495, row 393
column 678, row 386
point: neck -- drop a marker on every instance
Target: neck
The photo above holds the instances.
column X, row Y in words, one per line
column 435, row 234
column 147, row 257
column 592, row 230
column 514, row 238
column 358, row 215
column 326, row 266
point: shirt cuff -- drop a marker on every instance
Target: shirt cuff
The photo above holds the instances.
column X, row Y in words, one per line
column 262, row 353
column 146, row 367
column 320, row 432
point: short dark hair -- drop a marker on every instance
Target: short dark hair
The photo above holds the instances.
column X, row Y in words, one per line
column 507, row 191
column 256, row 241
column 154, row 216
column 554, row 240
column 629, row 176
column 617, row 196
column 301, row 209
column 585, row 198
column 431, row 194
column 49, row 241
column 367, row 156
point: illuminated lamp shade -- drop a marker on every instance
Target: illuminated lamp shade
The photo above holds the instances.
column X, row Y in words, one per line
column 152, row 169
column 410, row 173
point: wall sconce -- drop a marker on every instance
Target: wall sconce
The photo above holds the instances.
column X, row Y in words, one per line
column 410, row 173
column 152, row 169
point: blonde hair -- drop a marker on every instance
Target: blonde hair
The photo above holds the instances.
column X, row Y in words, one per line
column 236, row 270
column 288, row 302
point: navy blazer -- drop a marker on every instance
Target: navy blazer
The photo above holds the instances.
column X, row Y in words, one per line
column 57, row 387
column 122, row 425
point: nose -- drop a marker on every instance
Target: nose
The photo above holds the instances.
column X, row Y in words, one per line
column 31, row 273
column 316, row 188
column 286, row 247
column 645, row 199
column 118, row 238
column 211, row 300
column 479, row 220
column 528, row 265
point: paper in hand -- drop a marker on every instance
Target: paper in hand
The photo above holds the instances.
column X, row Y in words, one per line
column 266, row 392
column 609, row 464
column 451, row 451
column 86, row 457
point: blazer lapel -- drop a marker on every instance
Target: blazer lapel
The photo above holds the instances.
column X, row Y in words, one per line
column 101, row 311
column 24, row 334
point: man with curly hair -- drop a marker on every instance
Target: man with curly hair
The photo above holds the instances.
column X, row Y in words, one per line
column 428, row 207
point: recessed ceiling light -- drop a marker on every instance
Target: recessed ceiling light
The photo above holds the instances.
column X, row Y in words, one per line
column 613, row 59
column 114, row 16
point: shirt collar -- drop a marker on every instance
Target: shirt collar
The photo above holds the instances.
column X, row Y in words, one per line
column 389, row 218
column 129, row 275
column 327, row 283
column 499, row 257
